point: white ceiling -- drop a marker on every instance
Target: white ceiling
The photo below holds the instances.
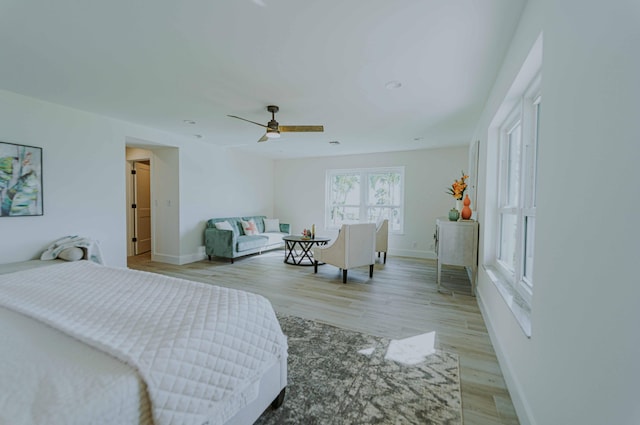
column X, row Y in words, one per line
column 160, row 62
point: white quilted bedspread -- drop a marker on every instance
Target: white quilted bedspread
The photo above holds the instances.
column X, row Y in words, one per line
column 200, row 348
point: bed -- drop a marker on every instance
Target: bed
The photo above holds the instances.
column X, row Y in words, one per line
column 82, row 343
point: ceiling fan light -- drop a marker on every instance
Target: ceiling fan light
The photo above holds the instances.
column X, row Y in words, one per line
column 273, row 134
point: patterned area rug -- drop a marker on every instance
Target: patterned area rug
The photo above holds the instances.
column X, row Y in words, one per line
column 329, row 382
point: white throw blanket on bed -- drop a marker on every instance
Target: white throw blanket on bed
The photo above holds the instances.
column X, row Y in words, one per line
column 90, row 247
column 200, row 348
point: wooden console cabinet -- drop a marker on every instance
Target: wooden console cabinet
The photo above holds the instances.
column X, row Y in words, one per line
column 457, row 245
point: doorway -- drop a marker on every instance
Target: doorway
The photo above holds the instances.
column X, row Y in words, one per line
column 141, row 206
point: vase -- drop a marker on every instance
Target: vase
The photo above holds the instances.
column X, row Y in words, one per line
column 466, row 211
column 454, row 213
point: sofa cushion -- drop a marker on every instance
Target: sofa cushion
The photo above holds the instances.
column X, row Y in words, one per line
column 258, row 219
column 271, row 225
column 233, row 221
column 247, row 242
column 249, row 227
column 223, row 225
column 274, row 237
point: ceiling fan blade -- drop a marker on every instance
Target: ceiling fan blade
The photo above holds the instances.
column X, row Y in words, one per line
column 264, row 138
column 300, row 128
column 244, row 119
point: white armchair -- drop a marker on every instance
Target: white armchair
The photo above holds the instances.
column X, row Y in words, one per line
column 382, row 238
column 354, row 247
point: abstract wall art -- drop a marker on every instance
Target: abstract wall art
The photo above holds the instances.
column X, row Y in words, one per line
column 20, row 180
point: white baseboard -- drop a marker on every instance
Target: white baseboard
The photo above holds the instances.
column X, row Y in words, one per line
column 515, row 389
column 165, row 258
column 192, row 258
column 178, row 260
column 431, row 255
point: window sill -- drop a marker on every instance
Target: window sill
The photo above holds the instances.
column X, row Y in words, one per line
column 518, row 306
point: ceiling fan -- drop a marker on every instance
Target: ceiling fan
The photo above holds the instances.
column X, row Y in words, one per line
column 274, row 129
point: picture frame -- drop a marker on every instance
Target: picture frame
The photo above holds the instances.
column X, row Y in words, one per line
column 21, row 189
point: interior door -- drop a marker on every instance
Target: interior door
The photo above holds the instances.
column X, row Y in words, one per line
column 142, row 207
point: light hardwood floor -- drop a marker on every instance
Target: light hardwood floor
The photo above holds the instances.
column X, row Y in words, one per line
column 401, row 300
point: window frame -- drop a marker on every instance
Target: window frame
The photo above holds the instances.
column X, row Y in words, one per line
column 526, row 115
column 364, row 206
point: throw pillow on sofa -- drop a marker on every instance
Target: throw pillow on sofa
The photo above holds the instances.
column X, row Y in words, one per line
column 271, row 224
column 223, row 225
column 249, row 227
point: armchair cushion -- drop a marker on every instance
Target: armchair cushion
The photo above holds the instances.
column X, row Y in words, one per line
column 354, row 247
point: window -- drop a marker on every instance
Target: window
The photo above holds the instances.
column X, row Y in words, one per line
column 365, row 196
column 517, row 177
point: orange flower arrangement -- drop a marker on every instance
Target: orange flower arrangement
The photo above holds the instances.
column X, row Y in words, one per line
column 458, row 187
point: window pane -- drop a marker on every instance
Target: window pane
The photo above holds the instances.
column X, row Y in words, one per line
column 384, row 189
column 513, row 170
column 341, row 214
column 529, row 231
column 344, row 199
column 356, row 196
column 375, row 214
column 507, row 248
column 345, row 189
column 535, row 154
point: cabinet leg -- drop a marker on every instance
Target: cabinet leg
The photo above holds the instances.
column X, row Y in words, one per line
column 474, row 280
column 439, row 266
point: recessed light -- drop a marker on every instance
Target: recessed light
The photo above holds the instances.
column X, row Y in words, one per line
column 393, row 85
column 190, row 122
column 334, row 142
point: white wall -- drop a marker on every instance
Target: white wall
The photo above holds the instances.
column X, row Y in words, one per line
column 300, row 192
column 219, row 183
column 581, row 364
column 84, row 166
column 83, row 171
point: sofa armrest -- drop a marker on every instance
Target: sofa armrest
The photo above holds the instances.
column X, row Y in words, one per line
column 220, row 243
column 284, row 228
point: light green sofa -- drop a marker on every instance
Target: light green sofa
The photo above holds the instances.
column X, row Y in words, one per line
column 234, row 243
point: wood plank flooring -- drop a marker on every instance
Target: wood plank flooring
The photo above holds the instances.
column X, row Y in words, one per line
column 401, row 300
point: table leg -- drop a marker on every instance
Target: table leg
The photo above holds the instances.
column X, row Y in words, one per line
column 306, row 252
column 289, row 246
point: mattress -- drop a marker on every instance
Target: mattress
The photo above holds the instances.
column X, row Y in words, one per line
column 210, row 380
column 26, row 265
column 48, row 377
